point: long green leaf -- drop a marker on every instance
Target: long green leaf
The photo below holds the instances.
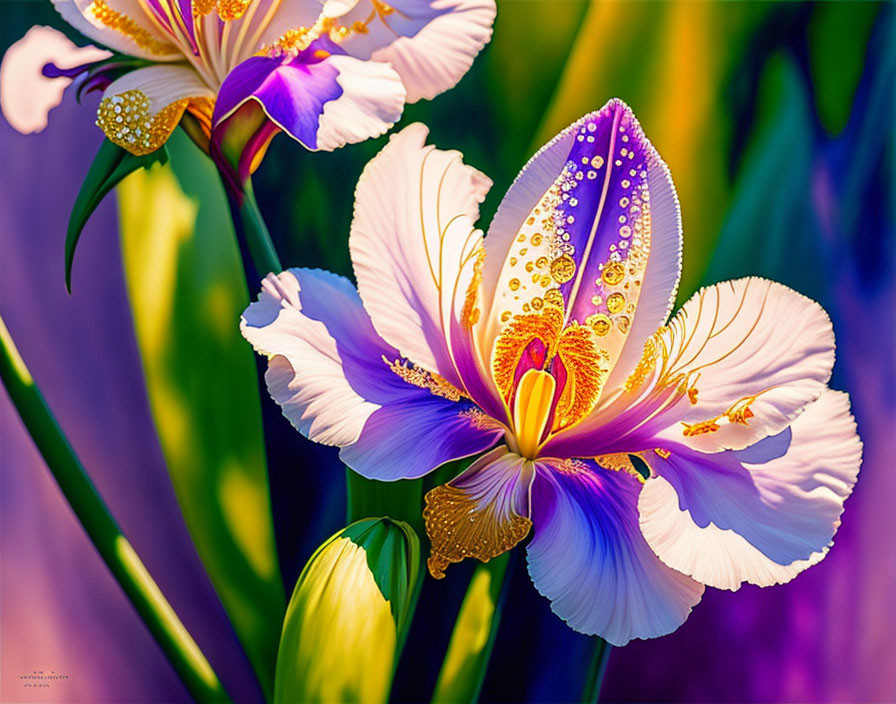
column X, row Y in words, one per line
column 101, row 528
column 186, row 290
column 109, row 167
column 466, row 660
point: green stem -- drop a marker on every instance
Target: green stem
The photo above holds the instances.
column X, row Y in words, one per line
column 470, row 647
column 596, row 671
column 253, row 233
column 178, row 645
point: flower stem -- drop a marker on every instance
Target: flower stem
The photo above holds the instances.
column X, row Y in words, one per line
column 253, row 235
column 470, row 647
column 178, row 645
column 596, row 671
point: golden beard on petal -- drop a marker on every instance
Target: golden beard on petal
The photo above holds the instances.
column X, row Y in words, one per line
column 516, row 336
column 459, row 528
column 587, row 366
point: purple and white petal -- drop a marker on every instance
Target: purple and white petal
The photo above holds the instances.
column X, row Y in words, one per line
column 321, row 97
column 739, row 362
column 315, row 331
column 27, row 94
column 481, row 513
column 589, row 558
column 412, row 244
column 760, row 515
column 331, row 374
column 430, row 43
column 594, row 216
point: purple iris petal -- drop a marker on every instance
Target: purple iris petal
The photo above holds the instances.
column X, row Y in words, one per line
column 415, row 435
column 598, row 217
column 474, row 378
column 589, row 558
column 415, row 431
column 293, row 90
column 719, row 489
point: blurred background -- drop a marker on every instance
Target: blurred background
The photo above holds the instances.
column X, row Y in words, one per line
column 777, row 122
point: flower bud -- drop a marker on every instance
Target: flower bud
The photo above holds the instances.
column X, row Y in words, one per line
column 348, row 615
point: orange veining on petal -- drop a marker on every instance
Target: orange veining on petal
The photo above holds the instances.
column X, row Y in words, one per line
column 701, row 428
column 202, row 7
column 738, row 413
column 418, row 376
column 300, row 38
column 228, row 10
column 587, row 367
column 470, row 312
column 621, row 462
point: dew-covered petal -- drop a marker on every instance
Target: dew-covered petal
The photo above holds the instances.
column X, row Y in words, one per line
column 121, row 25
column 334, row 378
column 760, row 515
column 140, row 110
column 481, row 513
column 430, row 43
column 414, row 245
column 593, row 218
column 26, row 94
column 589, row 558
column 321, row 97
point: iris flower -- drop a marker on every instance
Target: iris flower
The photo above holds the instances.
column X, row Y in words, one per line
column 648, row 457
column 326, row 72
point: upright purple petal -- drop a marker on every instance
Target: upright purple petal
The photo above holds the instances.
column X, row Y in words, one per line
column 593, row 220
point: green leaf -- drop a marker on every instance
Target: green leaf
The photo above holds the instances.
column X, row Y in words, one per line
column 348, row 615
column 186, row 289
column 770, row 216
column 837, row 65
column 401, row 500
column 597, row 668
column 109, row 167
column 470, row 648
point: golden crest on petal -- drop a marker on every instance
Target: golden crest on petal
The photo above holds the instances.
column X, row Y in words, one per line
column 127, row 121
column 459, row 528
column 516, row 336
column 587, row 366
